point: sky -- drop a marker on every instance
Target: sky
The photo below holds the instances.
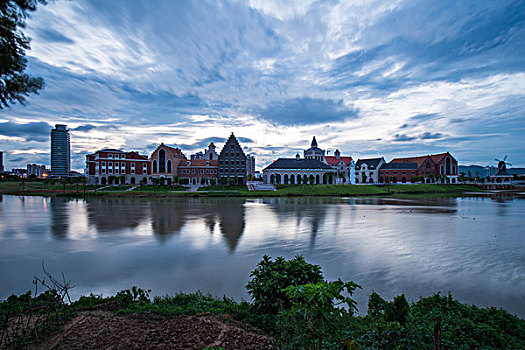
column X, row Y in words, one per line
column 370, row 78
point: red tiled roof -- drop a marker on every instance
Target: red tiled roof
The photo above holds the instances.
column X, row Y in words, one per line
column 331, row 160
column 436, row 158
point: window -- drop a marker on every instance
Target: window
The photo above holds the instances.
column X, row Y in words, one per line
column 238, row 154
column 231, row 146
column 202, row 171
column 220, row 162
column 123, row 156
column 110, row 156
column 226, row 162
column 207, row 163
column 162, row 161
column 404, row 173
column 193, row 171
column 154, row 166
column 144, row 168
column 189, row 163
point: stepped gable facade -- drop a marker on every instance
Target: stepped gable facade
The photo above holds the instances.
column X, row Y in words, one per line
column 369, row 168
column 232, row 162
column 127, row 167
column 344, row 166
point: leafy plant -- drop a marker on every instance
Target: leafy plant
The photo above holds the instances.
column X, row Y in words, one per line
column 270, row 279
column 316, row 314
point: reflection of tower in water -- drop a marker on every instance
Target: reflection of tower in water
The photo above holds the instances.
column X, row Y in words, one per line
column 231, row 220
column 59, row 217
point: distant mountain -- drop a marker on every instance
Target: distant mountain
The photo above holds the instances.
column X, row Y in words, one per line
column 483, row 171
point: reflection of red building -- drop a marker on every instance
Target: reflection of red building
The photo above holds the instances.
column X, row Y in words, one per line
column 196, row 169
column 116, row 163
column 404, row 169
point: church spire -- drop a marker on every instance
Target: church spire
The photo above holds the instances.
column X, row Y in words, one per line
column 314, row 142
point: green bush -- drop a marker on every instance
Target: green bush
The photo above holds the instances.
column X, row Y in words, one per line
column 270, row 279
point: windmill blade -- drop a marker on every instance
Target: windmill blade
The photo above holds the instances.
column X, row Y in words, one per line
column 505, row 158
column 508, row 164
column 497, row 160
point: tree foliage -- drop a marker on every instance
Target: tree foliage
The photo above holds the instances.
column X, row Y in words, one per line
column 15, row 84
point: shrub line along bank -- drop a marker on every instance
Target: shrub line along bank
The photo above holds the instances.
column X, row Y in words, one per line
column 294, row 304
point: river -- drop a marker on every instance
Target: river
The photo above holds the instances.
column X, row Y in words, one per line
column 471, row 247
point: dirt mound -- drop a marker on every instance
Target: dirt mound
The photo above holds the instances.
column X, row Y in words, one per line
column 105, row 330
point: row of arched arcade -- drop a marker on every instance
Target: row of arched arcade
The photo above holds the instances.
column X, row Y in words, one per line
column 298, row 178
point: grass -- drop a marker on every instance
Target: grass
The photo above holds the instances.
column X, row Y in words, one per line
column 45, row 188
column 434, row 188
column 153, row 188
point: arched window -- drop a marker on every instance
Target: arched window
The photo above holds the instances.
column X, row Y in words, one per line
column 286, row 179
column 292, row 179
column 317, row 179
column 442, row 170
column 162, row 161
column 169, row 166
column 154, row 166
column 447, row 166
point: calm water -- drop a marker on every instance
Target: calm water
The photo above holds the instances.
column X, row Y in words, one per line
column 473, row 247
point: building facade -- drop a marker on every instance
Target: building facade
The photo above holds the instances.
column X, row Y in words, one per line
column 60, row 150
column 37, row 170
column 314, row 152
column 250, row 166
column 427, row 167
column 344, row 167
column 165, row 161
column 368, row 170
column 199, row 171
column 232, row 163
column 122, row 167
column 298, row 171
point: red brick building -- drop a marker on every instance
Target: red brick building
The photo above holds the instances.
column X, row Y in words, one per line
column 123, row 167
column 405, row 169
column 197, row 169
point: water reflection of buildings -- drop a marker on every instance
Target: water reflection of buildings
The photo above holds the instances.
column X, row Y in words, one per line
column 109, row 214
column 169, row 216
column 310, row 209
column 59, row 217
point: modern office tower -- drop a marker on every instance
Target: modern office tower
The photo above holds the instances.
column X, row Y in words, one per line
column 1, row 162
column 60, row 150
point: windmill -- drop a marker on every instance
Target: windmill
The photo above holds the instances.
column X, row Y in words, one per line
column 502, row 166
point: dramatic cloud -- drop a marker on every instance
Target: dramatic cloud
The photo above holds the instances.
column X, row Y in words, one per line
column 303, row 111
column 34, row 131
column 371, row 78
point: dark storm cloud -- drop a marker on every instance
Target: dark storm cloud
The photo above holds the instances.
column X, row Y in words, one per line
column 306, row 111
column 403, row 138
column 34, row 131
column 85, row 128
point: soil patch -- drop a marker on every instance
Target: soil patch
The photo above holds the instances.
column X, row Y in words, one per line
column 105, row 330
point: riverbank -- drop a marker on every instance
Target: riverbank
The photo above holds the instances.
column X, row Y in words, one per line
column 292, row 307
column 73, row 190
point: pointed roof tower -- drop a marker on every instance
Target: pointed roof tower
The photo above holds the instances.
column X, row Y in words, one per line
column 314, row 143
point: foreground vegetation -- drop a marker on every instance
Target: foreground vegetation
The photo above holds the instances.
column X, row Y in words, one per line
column 293, row 303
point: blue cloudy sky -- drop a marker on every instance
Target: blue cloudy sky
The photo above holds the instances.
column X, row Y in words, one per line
column 372, row 78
